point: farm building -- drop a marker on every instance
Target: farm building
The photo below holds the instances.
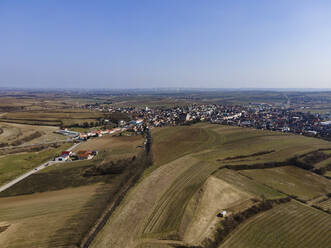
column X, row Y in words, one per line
column 84, row 155
column 69, row 153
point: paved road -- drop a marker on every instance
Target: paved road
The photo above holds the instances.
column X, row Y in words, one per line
column 40, row 167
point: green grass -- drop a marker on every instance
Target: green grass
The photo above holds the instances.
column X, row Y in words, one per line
column 12, row 166
column 292, row 180
column 286, row 225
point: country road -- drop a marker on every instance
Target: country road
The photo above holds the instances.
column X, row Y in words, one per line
column 40, row 167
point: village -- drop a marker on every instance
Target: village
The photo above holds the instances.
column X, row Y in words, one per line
column 259, row 116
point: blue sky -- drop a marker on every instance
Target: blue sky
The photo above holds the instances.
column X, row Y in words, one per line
column 165, row 43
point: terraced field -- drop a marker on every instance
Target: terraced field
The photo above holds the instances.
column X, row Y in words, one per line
column 174, row 204
column 247, row 185
column 287, row 225
column 292, row 180
column 325, row 204
column 200, row 217
column 167, row 213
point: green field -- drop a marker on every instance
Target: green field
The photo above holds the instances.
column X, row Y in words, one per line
column 12, row 166
column 287, row 225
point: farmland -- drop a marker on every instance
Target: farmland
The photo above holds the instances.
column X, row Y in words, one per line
column 287, row 225
column 292, row 180
column 11, row 166
column 114, row 147
column 197, row 172
column 34, row 219
column 20, row 134
column 52, row 117
column 63, row 195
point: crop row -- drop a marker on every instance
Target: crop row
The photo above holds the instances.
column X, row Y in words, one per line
column 288, row 225
column 168, row 211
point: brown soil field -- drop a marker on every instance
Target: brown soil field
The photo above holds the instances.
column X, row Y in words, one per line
column 34, row 219
column 216, row 195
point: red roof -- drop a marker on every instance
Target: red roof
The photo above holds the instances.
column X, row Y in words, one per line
column 66, row 153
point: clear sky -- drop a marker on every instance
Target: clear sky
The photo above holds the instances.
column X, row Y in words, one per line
column 165, row 43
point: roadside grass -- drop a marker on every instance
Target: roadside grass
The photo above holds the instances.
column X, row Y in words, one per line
column 12, row 166
column 291, row 180
column 35, row 219
column 286, row 225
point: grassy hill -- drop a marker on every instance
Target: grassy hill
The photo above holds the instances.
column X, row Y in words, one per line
column 198, row 171
column 60, row 204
